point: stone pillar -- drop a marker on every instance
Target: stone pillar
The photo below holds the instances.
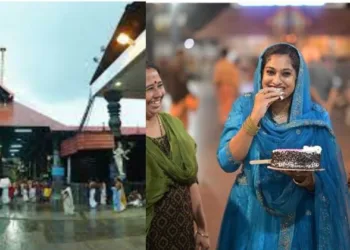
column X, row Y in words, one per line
column 56, row 152
column 30, row 170
column 113, row 96
column 69, row 170
column 1, row 170
column 57, row 174
column 34, row 170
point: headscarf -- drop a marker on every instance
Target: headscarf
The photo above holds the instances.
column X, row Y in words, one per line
column 309, row 124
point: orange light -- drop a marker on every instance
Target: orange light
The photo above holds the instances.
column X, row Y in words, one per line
column 124, row 39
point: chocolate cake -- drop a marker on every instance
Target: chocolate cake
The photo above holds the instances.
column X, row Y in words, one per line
column 306, row 158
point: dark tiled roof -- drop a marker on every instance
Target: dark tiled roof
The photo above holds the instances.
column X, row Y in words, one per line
column 14, row 114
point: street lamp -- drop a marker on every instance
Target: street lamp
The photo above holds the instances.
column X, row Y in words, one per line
column 125, row 39
column 118, row 84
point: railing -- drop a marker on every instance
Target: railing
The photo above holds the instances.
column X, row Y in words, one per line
column 81, row 194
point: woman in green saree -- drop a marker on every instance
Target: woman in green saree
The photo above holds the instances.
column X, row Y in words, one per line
column 172, row 192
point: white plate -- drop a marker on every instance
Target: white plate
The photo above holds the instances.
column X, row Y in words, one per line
column 297, row 169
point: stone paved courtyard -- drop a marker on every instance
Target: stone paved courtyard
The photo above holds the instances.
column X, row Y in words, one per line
column 39, row 227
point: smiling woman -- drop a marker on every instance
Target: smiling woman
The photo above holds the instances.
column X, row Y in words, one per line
column 270, row 210
column 172, row 192
column 154, row 91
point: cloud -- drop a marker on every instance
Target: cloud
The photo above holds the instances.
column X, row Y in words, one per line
column 49, row 64
column 71, row 112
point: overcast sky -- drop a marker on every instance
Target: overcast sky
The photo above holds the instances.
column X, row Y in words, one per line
column 50, row 47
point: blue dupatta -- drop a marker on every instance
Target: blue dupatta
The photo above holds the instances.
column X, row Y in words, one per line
column 309, row 124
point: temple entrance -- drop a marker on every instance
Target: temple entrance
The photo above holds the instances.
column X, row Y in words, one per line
column 26, row 153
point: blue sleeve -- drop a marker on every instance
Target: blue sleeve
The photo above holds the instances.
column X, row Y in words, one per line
column 332, row 199
column 322, row 114
column 231, row 128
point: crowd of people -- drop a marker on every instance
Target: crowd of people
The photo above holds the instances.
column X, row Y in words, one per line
column 40, row 192
column 25, row 191
column 97, row 193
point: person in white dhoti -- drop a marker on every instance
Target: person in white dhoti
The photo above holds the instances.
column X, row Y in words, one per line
column 5, row 183
column 24, row 191
column 92, row 200
column 32, row 191
column 103, row 194
column 68, row 203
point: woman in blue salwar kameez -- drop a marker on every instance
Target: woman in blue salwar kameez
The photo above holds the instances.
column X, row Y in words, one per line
column 273, row 210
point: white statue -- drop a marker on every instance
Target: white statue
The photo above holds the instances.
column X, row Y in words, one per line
column 119, row 154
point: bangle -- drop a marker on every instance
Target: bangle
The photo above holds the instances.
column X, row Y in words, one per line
column 250, row 127
column 300, row 183
column 305, row 183
column 202, row 234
